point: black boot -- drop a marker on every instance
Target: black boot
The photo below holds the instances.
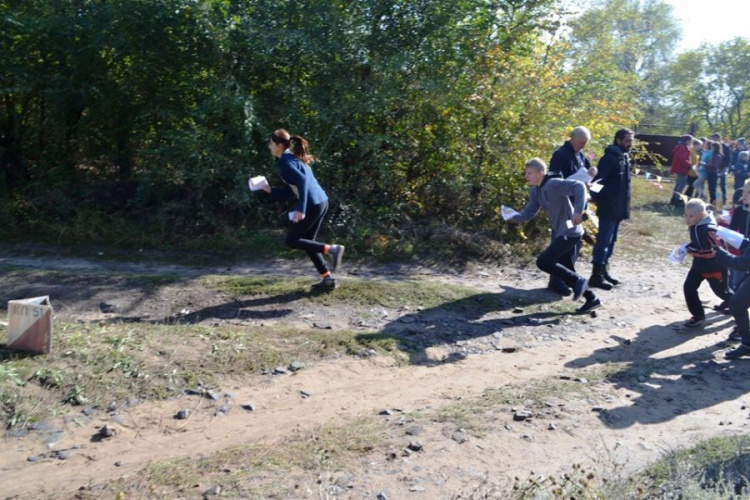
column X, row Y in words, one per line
column 597, row 278
column 742, row 351
column 607, row 276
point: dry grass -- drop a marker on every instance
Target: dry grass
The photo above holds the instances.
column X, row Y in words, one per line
column 312, row 460
column 654, row 225
column 95, row 364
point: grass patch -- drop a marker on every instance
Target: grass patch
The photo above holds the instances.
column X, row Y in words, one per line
column 477, row 413
column 261, row 471
column 94, row 364
column 627, row 373
column 716, row 469
column 392, row 293
column 655, row 226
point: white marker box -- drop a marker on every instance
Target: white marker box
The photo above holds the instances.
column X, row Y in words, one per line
column 30, row 324
column 257, row 183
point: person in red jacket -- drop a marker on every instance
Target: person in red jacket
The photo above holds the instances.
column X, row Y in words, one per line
column 681, row 165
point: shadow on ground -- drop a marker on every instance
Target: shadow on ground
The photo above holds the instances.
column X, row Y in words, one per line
column 470, row 318
column 474, row 317
column 670, row 385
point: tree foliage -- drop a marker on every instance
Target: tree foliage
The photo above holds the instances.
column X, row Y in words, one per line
column 158, row 110
column 710, row 87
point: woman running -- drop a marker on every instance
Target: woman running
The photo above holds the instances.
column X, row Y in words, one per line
column 312, row 203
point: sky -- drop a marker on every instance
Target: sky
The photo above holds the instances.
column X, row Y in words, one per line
column 711, row 21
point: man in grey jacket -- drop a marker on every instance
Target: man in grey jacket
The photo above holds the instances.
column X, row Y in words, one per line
column 552, row 194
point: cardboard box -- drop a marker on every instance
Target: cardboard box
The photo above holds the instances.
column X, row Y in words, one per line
column 30, row 324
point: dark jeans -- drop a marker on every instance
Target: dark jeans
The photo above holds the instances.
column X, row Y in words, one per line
column 723, row 186
column 712, row 177
column 690, row 288
column 738, row 307
column 739, row 181
column 690, row 189
column 605, row 241
column 301, row 235
column 557, row 260
column 556, row 282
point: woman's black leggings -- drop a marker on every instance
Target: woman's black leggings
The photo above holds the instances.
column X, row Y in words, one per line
column 301, row 235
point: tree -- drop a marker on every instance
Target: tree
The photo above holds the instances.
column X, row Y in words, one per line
column 622, row 45
column 156, row 110
column 709, row 87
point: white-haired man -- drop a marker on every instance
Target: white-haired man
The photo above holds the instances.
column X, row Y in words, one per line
column 566, row 161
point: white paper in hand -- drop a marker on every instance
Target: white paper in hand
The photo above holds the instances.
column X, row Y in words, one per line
column 678, row 254
column 570, row 224
column 582, row 175
column 507, row 212
column 596, row 186
column 733, row 238
column 725, row 217
column 257, row 183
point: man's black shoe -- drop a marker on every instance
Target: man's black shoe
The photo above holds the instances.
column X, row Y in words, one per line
column 597, row 281
column 742, row 351
column 735, row 334
column 608, row 277
column 694, row 322
column 589, row 305
column 723, row 308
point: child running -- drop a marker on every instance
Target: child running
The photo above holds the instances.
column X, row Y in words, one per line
column 702, row 229
column 312, row 203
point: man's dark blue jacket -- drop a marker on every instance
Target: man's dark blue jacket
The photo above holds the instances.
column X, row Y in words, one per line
column 566, row 162
column 613, row 201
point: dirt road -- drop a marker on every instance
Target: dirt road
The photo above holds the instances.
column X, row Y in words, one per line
column 640, row 385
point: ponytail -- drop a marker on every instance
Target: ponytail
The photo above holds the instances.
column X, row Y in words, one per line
column 297, row 144
column 299, row 147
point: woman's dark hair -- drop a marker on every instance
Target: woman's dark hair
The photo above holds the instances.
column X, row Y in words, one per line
column 716, row 147
column 296, row 143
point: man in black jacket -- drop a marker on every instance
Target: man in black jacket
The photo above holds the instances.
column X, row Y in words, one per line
column 566, row 161
column 612, row 204
column 569, row 158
